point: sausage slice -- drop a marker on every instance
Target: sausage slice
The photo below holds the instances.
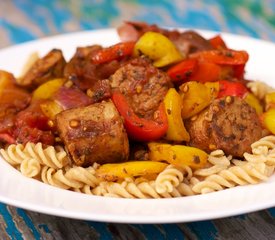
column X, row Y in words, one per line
column 229, row 124
column 93, row 134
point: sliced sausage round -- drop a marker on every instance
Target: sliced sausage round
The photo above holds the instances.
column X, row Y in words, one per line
column 229, row 124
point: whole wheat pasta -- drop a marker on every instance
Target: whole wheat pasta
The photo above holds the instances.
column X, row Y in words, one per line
column 30, row 167
column 73, row 178
column 233, row 176
column 259, row 89
column 55, row 157
column 168, row 179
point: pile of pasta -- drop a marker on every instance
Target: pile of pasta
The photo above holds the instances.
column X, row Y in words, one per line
column 52, row 166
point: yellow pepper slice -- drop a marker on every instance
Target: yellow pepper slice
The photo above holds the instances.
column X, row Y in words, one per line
column 47, row 89
column 270, row 100
column 178, row 155
column 197, row 96
column 173, row 105
column 269, row 120
column 158, row 48
column 50, row 108
column 118, row 171
column 254, row 102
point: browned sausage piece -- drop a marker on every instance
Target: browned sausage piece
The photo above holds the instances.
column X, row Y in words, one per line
column 93, row 134
column 90, row 77
column 144, row 85
column 229, row 124
column 44, row 69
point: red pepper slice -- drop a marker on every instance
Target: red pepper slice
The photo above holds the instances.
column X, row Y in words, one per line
column 183, row 70
column 217, row 42
column 206, row 72
column 222, row 56
column 228, row 88
column 114, row 52
column 141, row 129
column 238, row 71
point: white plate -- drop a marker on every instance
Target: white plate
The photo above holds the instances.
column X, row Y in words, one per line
column 30, row 194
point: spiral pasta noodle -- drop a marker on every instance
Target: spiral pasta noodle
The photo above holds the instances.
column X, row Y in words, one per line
column 73, row 178
column 263, row 151
column 246, row 173
column 168, row 179
column 132, row 189
column 54, row 157
column 259, row 89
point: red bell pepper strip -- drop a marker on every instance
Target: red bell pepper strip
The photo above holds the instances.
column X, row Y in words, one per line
column 222, row 56
column 206, row 72
column 141, row 129
column 114, row 52
column 238, row 71
column 228, row 88
column 217, row 42
column 183, row 70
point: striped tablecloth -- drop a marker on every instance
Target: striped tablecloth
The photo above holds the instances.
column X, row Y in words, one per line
column 24, row 20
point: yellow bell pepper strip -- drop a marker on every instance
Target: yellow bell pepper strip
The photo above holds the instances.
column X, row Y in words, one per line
column 118, row 171
column 270, row 100
column 197, row 96
column 268, row 119
column 50, row 108
column 158, row 48
column 47, row 89
column 173, row 105
column 254, row 102
column 178, row 155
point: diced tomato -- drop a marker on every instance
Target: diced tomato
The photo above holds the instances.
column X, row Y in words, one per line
column 217, row 42
column 141, row 129
column 228, row 88
column 114, row 52
column 222, row 56
column 183, row 70
column 6, row 137
column 31, row 125
column 27, row 134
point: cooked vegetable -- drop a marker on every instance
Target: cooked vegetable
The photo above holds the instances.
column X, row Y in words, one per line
column 222, row 56
column 229, row 88
column 183, row 70
column 114, row 52
column 269, row 120
column 270, row 100
column 50, row 108
column 141, row 129
column 117, row 171
column 196, row 96
column 158, row 48
column 254, row 102
column 47, row 89
column 173, row 106
column 178, row 155
column 217, row 42
column 207, row 72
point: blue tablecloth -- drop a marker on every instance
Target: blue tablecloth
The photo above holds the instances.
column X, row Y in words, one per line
column 24, row 20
